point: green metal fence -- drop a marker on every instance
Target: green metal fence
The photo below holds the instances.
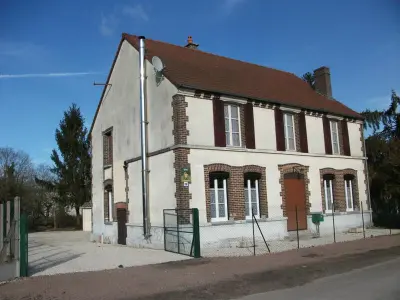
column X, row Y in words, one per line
column 182, row 232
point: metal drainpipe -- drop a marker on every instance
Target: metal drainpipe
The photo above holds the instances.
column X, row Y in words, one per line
column 367, row 174
column 143, row 136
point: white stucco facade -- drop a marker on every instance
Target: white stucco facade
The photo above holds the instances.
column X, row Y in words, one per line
column 119, row 110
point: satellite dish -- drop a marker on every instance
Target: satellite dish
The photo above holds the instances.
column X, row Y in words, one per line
column 157, row 63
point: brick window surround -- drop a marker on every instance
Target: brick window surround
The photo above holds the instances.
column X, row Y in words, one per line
column 294, row 168
column 339, row 194
column 235, row 187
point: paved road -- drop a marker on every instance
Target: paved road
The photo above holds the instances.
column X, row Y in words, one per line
column 379, row 281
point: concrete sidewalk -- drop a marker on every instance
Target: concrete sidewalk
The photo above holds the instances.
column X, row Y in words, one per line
column 220, row 278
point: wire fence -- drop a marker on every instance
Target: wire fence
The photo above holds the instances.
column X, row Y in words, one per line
column 300, row 229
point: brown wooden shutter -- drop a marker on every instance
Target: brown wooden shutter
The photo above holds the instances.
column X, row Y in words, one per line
column 345, row 135
column 219, row 123
column 327, row 135
column 279, row 130
column 303, row 133
column 249, row 126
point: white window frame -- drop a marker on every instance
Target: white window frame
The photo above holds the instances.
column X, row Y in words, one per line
column 326, row 193
column 349, row 183
column 248, row 190
column 229, row 129
column 332, row 125
column 216, row 191
column 110, row 206
column 286, row 129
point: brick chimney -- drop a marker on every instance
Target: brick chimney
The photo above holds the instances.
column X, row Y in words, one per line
column 190, row 43
column 323, row 85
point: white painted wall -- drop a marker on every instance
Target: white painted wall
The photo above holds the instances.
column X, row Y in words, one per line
column 200, row 125
column 199, row 157
column 161, row 189
column 264, row 128
column 87, row 219
column 315, row 135
column 120, row 109
column 355, row 139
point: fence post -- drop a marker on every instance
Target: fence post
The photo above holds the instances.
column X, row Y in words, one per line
column 333, row 220
column 254, row 236
column 17, row 239
column 23, row 245
column 177, row 230
column 196, row 232
column 362, row 216
column 1, row 224
column 297, row 229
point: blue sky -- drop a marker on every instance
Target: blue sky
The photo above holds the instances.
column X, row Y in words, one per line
column 76, row 40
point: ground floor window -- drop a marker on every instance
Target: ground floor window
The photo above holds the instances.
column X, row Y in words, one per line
column 251, row 196
column 348, row 187
column 328, row 189
column 218, row 197
column 108, row 205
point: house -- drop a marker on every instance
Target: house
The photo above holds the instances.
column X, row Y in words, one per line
column 249, row 137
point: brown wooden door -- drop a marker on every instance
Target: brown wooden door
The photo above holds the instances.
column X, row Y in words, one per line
column 295, row 195
column 121, row 219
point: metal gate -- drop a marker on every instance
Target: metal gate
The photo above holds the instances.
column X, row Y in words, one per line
column 182, row 232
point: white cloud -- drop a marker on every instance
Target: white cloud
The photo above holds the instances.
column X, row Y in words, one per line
column 108, row 24
column 137, row 12
column 230, row 5
column 11, row 76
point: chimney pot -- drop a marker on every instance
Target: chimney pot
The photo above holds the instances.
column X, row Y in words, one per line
column 323, row 85
column 190, row 43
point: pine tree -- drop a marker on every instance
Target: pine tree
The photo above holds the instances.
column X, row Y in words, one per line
column 72, row 161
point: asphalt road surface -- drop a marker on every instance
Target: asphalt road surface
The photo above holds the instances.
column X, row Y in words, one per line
column 380, row 281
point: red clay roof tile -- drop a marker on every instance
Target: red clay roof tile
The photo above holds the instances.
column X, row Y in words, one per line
column 200, row 70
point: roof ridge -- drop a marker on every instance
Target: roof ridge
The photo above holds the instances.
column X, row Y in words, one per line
column 213, row 54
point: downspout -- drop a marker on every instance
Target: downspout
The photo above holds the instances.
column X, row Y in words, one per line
column 367, row 174
column 143, row 136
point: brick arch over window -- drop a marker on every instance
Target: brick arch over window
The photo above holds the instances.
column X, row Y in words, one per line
column 294, row 169
column 262, row 186
column 236, row 205
column 339, row 188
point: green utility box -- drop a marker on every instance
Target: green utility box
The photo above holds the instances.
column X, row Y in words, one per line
column 317, row 218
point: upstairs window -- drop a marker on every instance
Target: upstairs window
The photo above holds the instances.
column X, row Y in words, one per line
column 107, row 148
column 251, row 195
column 218, row 197
column 232, row 125
column 335, row 137
column 290, row 142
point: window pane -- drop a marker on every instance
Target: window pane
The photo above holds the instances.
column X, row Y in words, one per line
column 226, row 111
column 227, row 138
column 291, row 144
column 335, row 148
column 328, row 194
column 289, row 120
column 212, row 203
column 235, row 139
column 227, row 124
column 234, row 111
column 334, row 137
column 221, row 203
column 220, row 183
column 349, row 194
column 289, row 131
column 235, row 125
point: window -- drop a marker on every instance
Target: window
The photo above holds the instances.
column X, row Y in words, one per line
column 290, row 142
column 335, row 137
column 108, row 205
column 348, row 188
column 218, row 197
column 328, row 189
column 251, row 196
column 107, row 148
column 232, row 125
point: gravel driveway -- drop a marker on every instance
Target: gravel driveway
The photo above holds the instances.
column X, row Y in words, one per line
column 71, row 251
